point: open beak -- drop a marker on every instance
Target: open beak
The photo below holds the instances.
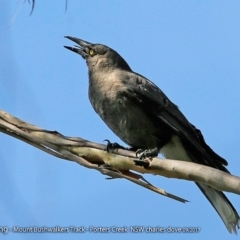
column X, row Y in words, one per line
column 82, row 48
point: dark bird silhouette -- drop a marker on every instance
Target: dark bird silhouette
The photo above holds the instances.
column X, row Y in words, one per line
column 139, row 113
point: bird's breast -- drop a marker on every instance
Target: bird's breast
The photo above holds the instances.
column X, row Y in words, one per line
column 124, row 117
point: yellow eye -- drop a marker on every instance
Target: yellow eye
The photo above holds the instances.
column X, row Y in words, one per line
column 91, row 52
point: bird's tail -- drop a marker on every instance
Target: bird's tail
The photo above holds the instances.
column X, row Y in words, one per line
column 176, row 149
column 223, row 207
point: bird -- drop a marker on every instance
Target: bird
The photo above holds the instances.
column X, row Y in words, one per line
column 143, row 117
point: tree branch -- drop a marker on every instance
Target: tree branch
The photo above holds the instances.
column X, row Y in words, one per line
column 117, row 164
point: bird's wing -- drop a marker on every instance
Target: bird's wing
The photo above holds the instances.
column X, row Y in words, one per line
column 146, row 94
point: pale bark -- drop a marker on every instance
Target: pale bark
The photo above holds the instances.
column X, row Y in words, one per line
column 117, row 164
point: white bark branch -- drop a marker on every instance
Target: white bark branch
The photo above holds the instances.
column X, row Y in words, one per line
column 117, row 164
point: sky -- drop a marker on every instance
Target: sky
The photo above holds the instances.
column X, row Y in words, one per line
column 190, row 49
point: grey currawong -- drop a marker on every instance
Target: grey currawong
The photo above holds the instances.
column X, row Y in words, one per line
column 139, row 113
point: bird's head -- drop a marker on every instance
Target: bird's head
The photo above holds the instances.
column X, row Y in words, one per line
column 98, row 56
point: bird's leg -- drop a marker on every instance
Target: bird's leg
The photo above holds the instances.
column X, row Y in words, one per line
column 112, row 146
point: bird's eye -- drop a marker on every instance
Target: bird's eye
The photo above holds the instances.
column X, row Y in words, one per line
column 91, row 52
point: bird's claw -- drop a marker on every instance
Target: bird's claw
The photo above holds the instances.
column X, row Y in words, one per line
column 141, row 154
column 112, row 146
column 145, row 156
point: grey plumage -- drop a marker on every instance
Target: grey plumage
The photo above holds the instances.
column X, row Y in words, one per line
column 137, row 111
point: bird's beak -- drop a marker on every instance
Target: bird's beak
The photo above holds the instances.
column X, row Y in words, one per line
column 82, row 48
